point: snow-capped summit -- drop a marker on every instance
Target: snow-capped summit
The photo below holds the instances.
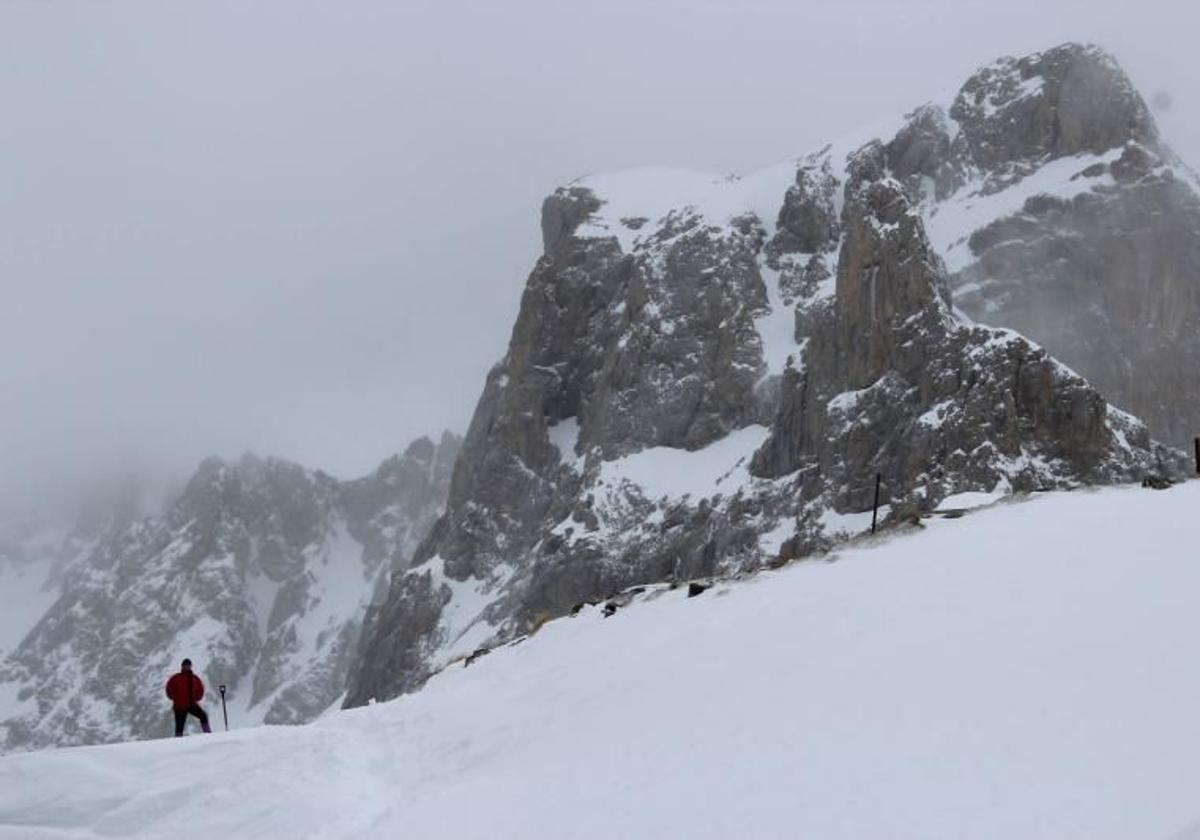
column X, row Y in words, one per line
column 708, row 373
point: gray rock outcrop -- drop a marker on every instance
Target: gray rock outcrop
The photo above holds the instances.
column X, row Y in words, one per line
column 1083, row 228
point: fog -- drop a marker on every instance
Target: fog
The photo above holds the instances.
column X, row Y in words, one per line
column 303, row 229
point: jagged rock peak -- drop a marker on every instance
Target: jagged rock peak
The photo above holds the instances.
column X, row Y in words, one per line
column 1065, row 101
column 1061, row 213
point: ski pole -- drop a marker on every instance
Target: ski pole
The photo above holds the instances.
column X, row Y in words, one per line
column 224, row 711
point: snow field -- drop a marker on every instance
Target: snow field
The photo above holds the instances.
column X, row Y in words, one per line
column 1029, row 670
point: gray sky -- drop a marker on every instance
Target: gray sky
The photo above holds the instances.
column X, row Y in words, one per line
column 303, row 228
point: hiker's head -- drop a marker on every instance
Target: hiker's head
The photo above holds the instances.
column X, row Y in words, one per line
column 187, row 665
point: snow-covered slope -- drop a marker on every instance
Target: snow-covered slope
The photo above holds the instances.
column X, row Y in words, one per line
column 1028, row 670
column 261, row 572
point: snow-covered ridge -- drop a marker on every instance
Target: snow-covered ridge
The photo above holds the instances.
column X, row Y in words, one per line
column 981, row 678
column 635, row 202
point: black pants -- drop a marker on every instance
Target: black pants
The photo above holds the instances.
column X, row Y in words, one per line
column 181, row 718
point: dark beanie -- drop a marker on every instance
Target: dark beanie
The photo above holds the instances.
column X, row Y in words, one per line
column 187, row 663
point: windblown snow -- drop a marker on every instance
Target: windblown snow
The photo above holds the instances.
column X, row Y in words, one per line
column 1028, row 670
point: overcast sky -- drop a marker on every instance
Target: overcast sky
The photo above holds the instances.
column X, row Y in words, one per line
column 303, row 228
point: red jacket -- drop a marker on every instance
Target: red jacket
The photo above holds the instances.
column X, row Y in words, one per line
column 185, row 690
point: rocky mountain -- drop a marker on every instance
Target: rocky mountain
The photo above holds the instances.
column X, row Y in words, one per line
column 1062, row 214
column 707, row 374
column 261, row 571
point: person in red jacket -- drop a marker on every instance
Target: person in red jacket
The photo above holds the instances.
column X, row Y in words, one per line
column 186, row 690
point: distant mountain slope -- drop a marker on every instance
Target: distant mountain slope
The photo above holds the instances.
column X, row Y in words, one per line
column 1025, row 671
column 261, row 572
column 708, row 373
column 31, row 553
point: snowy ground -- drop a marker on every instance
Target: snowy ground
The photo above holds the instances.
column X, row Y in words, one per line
column 1031, row 670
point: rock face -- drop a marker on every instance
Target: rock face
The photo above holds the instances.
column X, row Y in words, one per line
column 1061, row 214
column 261, row 572
column 708, row 373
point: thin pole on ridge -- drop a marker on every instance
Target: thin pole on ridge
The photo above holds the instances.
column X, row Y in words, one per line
column 879, row 480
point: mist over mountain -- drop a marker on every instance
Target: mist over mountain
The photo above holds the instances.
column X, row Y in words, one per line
column 311, row 241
